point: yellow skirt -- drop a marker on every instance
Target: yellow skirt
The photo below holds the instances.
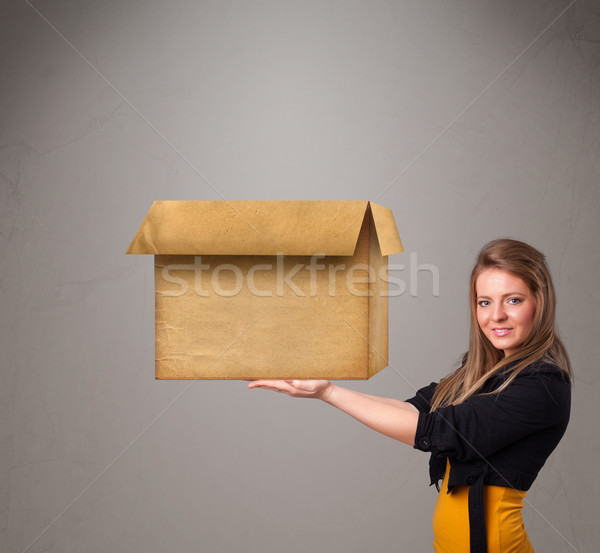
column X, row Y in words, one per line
column 503, row 521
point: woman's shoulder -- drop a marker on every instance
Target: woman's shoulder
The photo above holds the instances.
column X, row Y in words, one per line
column 542, row 383
column 542, row 378
column 541, row 390
column 541, row 367
column 547, row 369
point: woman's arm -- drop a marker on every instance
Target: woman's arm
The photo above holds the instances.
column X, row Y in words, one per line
column 395, row 419
column 391, row 401
column 391, row 417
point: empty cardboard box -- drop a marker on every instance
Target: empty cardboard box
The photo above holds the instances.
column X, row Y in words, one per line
column 269, row 289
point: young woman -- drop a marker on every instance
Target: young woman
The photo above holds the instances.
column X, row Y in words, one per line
column 490, row 425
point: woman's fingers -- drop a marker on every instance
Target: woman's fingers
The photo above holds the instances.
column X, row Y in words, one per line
column 275, row 385
column 295, row 388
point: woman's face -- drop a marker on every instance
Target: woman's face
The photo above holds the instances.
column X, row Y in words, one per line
column 505, row 309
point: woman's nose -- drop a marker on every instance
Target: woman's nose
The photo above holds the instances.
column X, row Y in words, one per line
column 499, row 313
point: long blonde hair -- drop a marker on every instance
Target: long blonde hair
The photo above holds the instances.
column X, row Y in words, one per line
column 483, row 360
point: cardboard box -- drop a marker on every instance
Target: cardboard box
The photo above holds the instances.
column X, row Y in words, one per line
column 269, row 289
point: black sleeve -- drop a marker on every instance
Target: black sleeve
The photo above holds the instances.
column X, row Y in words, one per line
column 486, row 423
column 422, row 399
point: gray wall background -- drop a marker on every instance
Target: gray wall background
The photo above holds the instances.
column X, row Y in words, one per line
column 469, row 119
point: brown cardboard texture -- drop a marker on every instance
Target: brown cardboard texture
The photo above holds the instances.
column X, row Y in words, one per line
column 269, row 289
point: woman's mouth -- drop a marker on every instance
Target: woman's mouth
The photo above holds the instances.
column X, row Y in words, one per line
column 499, row 332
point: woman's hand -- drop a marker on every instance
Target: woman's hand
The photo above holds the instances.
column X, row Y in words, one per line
column 317, row 389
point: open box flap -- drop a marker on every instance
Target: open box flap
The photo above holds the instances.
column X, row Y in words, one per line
column 387, row 232
column 260, row 228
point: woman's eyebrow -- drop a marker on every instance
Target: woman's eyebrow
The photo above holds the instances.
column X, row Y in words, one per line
column 503, row 296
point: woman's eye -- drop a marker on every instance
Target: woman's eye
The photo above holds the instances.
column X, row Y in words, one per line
column 514, row 301
column 484, row 303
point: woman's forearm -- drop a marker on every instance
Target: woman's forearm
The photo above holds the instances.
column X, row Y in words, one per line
column 389, row 418
column 390, row 401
